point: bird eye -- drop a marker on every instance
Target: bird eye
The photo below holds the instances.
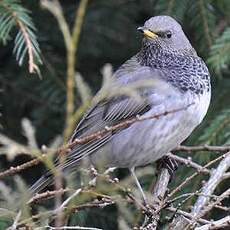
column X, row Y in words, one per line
column 168, row 34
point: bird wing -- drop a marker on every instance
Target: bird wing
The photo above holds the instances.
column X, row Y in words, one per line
column 112, row 111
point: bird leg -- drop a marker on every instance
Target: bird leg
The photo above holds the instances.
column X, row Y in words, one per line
column 168, row 163
column 132, row 170
column 109, row 170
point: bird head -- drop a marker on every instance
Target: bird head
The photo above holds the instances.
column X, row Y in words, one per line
column 165, row 33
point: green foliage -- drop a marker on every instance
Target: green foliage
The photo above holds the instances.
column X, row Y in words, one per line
column 13, row 14
column 220, row 51
column 176, row 8
column 218, row 132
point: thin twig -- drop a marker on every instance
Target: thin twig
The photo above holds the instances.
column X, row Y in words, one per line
column 159, row 191
column 46, row 195
column 123, row 124
column 199, row 209
column 189, row 162
column 55, row 8
column 64, row 204
column 214, row 148
column 210, row 186
column 16, row 220
column 188, row 179
column 223, row 208
column 187, row 215
column 71, row 227
column 71, row 62
column 13, row 170
column 197, row 193
column 94, row 136
column 218, row 224
column 209, row 207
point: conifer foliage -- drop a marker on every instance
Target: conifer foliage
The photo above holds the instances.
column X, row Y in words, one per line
column 14, row 16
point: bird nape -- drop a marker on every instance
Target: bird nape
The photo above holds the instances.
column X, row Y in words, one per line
column 180, row 78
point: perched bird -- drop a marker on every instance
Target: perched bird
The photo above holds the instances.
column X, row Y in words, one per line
column 180, row 78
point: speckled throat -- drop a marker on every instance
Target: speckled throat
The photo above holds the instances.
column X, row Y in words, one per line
column 183, row 69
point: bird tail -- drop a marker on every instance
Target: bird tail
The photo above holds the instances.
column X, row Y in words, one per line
column 41, row 183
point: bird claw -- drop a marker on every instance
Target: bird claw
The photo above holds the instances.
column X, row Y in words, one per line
column 168, row 163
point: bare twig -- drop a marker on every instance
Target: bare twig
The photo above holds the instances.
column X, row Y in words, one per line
column 224, row 148
column 71, row 66
column 189, row 195
column 188, row 216
column 71, row 43
column 13, row 170
column 123, row 124
column 223, row 208
column 189, row 162
column 65, row 203
column 159, row 191
column 218, row 224
column 209, row 207
column 16, row 220
column 71, row 227
column 46, row 195
column 200, row 208
column 94, row 136
column 55, row 8
column 209, row 187
column 188, row 179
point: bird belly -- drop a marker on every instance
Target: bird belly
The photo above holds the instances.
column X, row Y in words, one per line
column 147, row 141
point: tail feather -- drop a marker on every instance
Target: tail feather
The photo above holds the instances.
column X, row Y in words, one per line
column 41, row 184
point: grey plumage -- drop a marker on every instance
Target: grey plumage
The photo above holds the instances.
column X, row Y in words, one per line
column 181, row 78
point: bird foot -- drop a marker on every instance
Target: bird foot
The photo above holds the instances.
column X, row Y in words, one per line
column 168, row 163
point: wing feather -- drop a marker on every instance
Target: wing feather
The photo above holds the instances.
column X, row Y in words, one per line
column 113, row 110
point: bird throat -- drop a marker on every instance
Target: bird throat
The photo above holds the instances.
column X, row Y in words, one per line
column 154, row 55
column 182, row 68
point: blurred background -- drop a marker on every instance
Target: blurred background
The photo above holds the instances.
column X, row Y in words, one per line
column 108, row 35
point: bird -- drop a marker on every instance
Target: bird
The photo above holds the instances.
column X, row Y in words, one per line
column 180, row 79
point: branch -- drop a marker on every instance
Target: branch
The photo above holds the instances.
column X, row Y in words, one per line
column 94, row 136
column 188, row 179
column 189, row 162
column 210, row 186
column 13, row 170
column 123, row 124
column 72, row 227
column 46, row 195
column 184, row 219
column 71, row 43
column 219, row 224
column 159, row 191
column 65, row 203
column 210, row 207
column 55, row 8
column 203, row 148
column 199, row 208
